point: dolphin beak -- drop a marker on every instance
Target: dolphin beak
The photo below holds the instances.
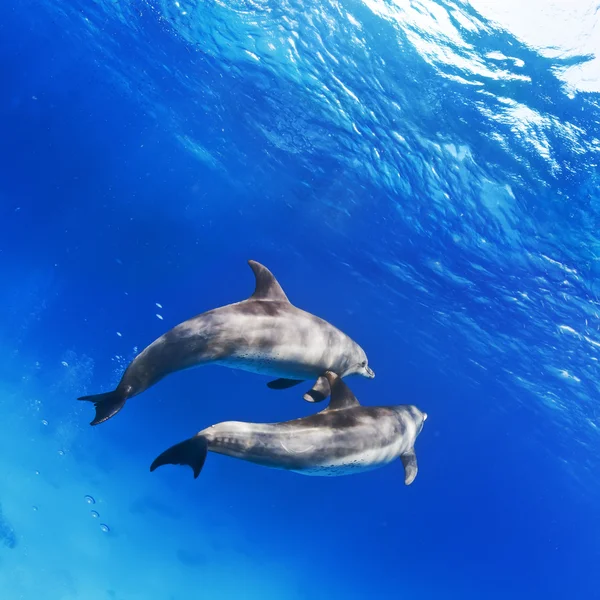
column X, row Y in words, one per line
column 370, row 372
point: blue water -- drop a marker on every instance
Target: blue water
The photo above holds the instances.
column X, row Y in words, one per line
column 424, row 175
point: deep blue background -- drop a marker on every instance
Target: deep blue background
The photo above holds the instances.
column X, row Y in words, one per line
column 448, row 225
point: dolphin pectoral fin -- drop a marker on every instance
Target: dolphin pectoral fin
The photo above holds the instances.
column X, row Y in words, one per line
column 190, row 452
column 267, row 287
column 409, row 460
column 319, row 391
column 283, row 384
column 341, row 395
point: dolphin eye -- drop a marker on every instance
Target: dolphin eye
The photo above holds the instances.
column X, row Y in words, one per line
column 363, row 363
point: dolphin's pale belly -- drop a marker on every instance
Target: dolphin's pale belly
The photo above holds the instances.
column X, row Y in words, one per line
column 360, row 462
column 274, row 364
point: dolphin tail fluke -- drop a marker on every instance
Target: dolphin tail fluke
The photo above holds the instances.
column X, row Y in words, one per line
column 107, row 405
column 191, row 452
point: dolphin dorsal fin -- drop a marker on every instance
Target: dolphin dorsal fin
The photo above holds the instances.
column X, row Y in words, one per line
column 341, row 395
column 267, row 287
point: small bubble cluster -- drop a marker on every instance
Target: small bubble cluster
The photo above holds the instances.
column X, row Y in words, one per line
column 94, row 514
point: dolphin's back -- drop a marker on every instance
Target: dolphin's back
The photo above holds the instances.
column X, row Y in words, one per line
column 272, row 338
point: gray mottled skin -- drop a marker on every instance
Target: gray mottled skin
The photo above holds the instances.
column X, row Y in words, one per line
column 344, row 438
column 264, row 334
column 328, row 443
column 261, row 336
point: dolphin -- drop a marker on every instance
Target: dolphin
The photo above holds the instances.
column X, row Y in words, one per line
column 263, row 334
column 343, row 439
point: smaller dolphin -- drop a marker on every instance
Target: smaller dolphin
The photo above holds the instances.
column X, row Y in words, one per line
column 343, row 439
column 264, row 334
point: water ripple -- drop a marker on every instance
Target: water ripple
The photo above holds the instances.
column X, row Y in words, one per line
column 468, row 140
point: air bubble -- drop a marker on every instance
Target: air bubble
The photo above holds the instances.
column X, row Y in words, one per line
column 89, row 499
column 44, row 422
column 94, row 514
column 105, row 528
column 34, row 508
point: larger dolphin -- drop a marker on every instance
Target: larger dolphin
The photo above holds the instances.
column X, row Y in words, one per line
column 344, row 438
column 263, row 334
